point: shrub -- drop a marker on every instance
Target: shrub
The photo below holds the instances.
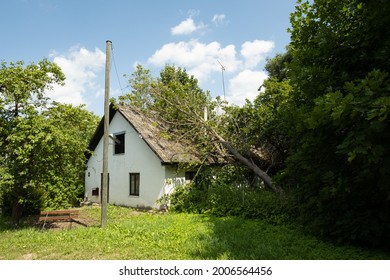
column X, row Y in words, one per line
column 220, row 197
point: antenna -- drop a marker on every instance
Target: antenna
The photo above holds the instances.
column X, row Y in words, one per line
column 223, row 79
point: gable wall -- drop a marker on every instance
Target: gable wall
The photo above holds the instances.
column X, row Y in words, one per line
column 138, row 158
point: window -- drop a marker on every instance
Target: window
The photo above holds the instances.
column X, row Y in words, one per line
column 119, row 146
column 134, row 184
column 190, row 175
column 95, row 192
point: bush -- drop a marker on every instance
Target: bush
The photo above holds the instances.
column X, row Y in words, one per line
column 31, row 205
column 228, row 200
column 359, row 217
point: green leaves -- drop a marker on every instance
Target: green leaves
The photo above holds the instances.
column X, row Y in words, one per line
column 42, row 145
column 358, row 115
column 340, row 73
column 22, row 88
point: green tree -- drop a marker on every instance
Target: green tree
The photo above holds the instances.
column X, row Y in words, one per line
column 172, row 95
column 340, row 165
column 140, row 82
column 71, row 128
column 178, row 100
column 22, row 93
column 177, row 92
column 42, row 145
column 175, row 97
column 259, row 129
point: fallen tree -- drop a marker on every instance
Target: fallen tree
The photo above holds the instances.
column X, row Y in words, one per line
column 178, row 101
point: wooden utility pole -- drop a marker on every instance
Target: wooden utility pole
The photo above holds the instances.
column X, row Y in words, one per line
column 105, row 136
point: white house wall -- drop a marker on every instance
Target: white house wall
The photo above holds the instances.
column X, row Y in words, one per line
column 173, row 179
column 138, row 158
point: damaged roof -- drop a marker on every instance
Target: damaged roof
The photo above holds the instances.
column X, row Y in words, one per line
column 155, row 132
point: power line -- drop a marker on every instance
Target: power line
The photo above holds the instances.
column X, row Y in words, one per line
column 116, row 70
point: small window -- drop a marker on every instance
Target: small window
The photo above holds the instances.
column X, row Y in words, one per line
column 190, row 175
column 119, row 146
column 134, row 184
column 95, row 192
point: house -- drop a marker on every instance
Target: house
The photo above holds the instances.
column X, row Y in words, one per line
column 143, row 160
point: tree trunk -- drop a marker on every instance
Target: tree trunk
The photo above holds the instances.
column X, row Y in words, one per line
column 17, row 211
column 251, row 165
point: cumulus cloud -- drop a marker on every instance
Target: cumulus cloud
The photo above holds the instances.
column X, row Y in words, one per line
column 206, row 60
column 244, row 86
column 186, row 27
column 198, row 58
column 219, row 19
column 254, row 52
column 80, row 67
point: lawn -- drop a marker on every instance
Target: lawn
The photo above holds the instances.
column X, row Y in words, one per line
column 167, row 236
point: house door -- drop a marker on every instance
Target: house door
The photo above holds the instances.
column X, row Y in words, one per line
column 108, row 188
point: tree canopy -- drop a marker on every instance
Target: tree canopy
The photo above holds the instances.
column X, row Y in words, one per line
column 323, row 117
column 42, row 144
column 339, row 165
column 179, row 101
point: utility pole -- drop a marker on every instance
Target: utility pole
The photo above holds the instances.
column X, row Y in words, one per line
column 105, row 136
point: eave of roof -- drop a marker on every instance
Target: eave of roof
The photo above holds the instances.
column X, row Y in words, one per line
column 99, row 131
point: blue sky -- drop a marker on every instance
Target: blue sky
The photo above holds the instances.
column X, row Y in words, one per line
column 192, row 34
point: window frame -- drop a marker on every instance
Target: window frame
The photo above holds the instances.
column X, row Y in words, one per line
column 134, row 178
column 95, row 191
column 120, row 148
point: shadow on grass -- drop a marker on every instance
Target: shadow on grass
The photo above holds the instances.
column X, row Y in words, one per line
column 181, row 236
column 243, row 239
column 25, row 222
column 32, row 222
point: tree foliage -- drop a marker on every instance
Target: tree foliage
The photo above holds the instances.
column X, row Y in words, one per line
column 229, row 191
column 322, row 116
column 260, row 128
column 42, row 144
column 340, row 164
column 174, row 95
column 178, row 100
column 140, row 82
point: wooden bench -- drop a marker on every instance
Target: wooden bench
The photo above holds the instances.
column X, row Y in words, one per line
column 59, row 216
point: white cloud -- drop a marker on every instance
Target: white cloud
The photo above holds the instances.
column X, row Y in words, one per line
column 80, row 67
column 219, row 19
column 244, row 86
column 186, row 27
column 202, row 60
column 199, row 59
column 254, row 52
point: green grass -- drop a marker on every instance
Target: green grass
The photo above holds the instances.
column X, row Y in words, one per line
column 135, row 235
